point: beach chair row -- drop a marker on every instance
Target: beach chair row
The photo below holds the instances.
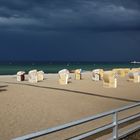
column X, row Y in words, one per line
column 34, row 76
column 109, row 78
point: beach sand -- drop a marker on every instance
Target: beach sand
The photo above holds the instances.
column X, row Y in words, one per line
column 26, row 107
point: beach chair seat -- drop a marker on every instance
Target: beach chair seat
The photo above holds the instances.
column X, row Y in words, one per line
column 40, row 76
column 32, row 76
column 78, row 75
column 20, row 76
column 109, row 79
column 63, row 76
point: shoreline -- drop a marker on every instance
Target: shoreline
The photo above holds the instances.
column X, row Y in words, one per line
column 13, row 68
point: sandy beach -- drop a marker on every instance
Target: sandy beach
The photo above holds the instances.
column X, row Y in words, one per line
column 26, row 107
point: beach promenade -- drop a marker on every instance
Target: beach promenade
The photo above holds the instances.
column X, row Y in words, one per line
column 26, row 107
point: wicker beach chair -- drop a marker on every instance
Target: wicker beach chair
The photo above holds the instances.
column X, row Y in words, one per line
column 63, row 76
column 32, row 76
column 78, row 75
column 20, row 76
column 97, row 74
column 109, row 79
column 40, row 76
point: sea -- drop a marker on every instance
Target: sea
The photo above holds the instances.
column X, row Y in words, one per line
column 11, row 68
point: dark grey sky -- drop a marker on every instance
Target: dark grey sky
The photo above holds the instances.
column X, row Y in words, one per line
column 80, row 30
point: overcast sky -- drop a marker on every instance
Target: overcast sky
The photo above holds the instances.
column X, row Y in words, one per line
column 70, row 30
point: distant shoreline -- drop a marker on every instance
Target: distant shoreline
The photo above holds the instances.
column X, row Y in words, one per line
column 53, row 67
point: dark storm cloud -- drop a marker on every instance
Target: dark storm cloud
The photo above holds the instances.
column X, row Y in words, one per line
column 73, row 14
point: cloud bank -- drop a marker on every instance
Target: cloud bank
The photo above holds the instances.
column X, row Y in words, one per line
column 47, row 15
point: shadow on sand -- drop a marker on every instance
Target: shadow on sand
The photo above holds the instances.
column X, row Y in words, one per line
column 1, row 88
column 76, row 92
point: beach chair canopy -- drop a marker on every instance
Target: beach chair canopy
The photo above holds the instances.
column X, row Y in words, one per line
column 78, row 71
column 97, row 71
column 32, row 71
column 63, row 71
column 20, row 73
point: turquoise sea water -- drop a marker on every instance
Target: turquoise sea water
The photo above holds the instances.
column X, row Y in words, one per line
column 7, row 68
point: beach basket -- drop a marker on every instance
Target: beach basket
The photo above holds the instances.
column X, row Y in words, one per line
column 109, row 79
column 32, row 76
column 78, row 75
column 20, row 76
column 63, row 76
column 40, row 76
